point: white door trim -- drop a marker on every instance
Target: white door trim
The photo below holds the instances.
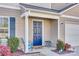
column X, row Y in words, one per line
column 42, row 29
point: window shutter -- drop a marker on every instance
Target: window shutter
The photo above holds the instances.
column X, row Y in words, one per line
column 12, row 26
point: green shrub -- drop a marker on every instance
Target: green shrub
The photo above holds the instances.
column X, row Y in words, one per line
column 13, row 43
column 60, row 45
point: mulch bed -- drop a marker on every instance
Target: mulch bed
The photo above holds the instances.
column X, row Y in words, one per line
column 64, row 52
column 21, row 53
column 18, row 53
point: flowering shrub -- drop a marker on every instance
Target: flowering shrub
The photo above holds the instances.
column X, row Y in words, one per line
column 67, row 46
column 5, row 51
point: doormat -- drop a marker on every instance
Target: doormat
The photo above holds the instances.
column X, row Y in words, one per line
column 64, row 52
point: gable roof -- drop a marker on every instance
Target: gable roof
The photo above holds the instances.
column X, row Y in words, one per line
column 54, row 7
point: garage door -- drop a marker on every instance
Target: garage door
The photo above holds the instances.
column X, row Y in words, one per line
column 72, row 34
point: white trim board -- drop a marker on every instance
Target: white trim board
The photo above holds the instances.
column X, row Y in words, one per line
column 58, row 28
column 68, row 16
column 43, row 15
column 11, row 7
column 42, row 11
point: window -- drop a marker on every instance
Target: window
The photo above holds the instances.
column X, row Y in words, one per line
column 3, row 27
column 3, row 22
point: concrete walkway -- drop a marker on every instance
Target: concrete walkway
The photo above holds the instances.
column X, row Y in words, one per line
column 48, row 52
column 45, row 51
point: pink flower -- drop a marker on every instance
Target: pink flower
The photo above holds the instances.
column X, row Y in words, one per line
column 5, row 51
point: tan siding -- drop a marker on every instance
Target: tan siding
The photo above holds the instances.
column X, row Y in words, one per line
column 47, row 29
column 9, row 12
column 20, row 27
column 30, row 29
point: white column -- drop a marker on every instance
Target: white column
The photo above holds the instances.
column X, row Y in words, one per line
column 58, row 28
column 61, row 29
column 26, row 33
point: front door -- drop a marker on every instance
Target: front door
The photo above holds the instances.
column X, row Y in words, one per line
column 37, row 33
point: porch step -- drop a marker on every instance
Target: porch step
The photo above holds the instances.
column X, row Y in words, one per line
column 37, row 47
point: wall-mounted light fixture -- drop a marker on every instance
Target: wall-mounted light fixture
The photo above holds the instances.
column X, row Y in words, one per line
column 61, row 23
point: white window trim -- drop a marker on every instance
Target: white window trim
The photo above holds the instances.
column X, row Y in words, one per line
column 42, row 29
column 8, row 26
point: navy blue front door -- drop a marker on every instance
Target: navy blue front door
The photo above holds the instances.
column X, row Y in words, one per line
column 37, row 33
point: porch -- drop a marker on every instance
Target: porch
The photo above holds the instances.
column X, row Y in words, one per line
column 39, row 28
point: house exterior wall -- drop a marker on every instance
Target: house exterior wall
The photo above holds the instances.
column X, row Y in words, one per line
column 54, row 32
column 47, row 29
column 19, row 28
column 20, row 31
column 50, row 25
column 61, row 29
column 30, row 29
